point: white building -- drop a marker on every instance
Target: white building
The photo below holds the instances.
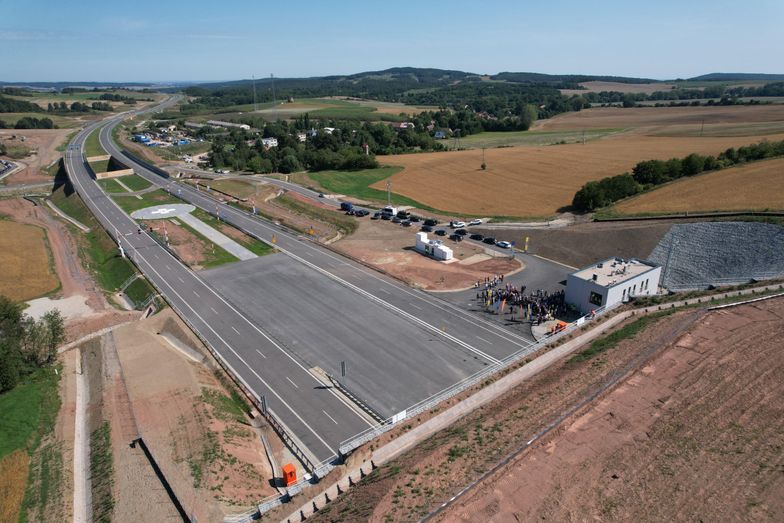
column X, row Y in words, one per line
column 221, row 123
column 611, row 281
column 269, row 142
column 434, row 248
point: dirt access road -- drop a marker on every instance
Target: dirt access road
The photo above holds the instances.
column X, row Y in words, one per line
column 44, row 144
column 695, row 434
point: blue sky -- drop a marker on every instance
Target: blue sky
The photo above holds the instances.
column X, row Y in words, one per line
column 223, row 40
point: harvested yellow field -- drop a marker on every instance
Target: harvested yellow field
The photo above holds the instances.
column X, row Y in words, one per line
column 533, row 181
column 598, row 86
column 757, row 186
column 24, row 256
column 13, row 479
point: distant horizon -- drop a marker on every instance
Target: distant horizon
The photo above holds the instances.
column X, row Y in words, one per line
column 208, row 42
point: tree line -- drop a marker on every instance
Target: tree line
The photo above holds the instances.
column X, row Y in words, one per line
column 28, row 122
column 77, row 107
column 726, row 95
column 26, row 344
column 651, row 173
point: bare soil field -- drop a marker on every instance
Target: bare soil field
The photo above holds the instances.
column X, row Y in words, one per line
column 756, row 186
column 598, row 87
column 533, row 181
column 695, row 434
column 389, row 247
column 44, row 143
column 214, row 461
column 410, row 486
column 655, row 119
column 27, row 265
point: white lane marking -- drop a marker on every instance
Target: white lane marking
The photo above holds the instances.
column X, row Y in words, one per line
column 213, row 310
column 309, row 254
column 181, row 280
column 484, row 340
column 330, row 417
column 235, row 330
column 156, row 256
column 261, row 354
column 167, row 267
column 416, row 306
column 197, row 294
column 297, row 386
column 384, row 291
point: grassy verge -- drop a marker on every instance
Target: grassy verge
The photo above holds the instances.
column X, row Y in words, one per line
column 255, row 246
column 156, row 197
column 134, row 182
column 213, row 257
column 100, row 166
column 139, row 291
column 101, row 473
column 345, row 224
column 613, row 339
column 110, row 185
column 67, row 140
column 92, row 147
column 357, row 184
column 17, row 152
column 98, row 251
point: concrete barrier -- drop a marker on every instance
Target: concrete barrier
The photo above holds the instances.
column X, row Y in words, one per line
column 99, row 158
column 114, row 174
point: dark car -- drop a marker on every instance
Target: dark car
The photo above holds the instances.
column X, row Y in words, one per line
column 441, row 232
column 426, row 228
column 406, row 223
column 431, row 222
column 397, row 219
column 477, row 236
column 385, row 216
column 489, row 240
column 415, row 219
column 461, row 232
column 376, row 216
column 456, row 237
column 402, row 214
column 361, row 212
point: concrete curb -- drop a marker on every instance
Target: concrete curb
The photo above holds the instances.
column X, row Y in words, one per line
column 64, row 216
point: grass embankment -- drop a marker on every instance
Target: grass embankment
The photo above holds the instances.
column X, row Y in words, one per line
column 27, row 415
column 357, row 184
column 255, row 246
column 101, row 473
column 17, row 152
column 613, row 339
column 214, row 257
column 345, row 224
column 96, row 248
column 131, row 181
column 92, row 147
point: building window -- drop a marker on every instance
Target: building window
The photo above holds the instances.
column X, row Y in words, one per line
column 595, row 298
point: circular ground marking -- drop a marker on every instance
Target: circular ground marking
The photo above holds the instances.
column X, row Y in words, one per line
column 160, row 212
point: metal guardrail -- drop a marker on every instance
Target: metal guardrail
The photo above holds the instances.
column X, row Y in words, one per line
column 431, row 402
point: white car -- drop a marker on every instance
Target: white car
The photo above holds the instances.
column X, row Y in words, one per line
column 503, row 245
column 475, row 222
column 457, row 225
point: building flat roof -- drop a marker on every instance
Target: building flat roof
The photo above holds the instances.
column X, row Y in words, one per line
column 614, row 271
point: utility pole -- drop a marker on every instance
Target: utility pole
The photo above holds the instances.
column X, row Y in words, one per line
column 255, row 107
column 389, row 193
column 274, row 98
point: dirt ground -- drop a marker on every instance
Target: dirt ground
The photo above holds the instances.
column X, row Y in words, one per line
column 44, row 143
column 191, row 249
column 537, row 181
column 748, row 187
column 74, row 279
column 409, row 487
column 584, row 243
column 389, row 247
column 694, row 435
column 215, row 464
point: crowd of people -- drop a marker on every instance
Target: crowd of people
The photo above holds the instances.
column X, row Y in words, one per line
column 536, row 307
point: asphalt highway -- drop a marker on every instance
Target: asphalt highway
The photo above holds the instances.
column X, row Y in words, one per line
column 312, row 413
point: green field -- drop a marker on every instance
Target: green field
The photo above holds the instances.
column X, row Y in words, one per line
column 257, row 247
column 28, row 411
column 156, row 197
column 62, row 122
column 110, row 185
column 139, row 291
column 101, row 166
column 92, row 147
column 357, row 184
column 134, row 182
column 531, row 138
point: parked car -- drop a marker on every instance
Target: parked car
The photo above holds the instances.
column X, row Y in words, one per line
column 426, row 228
column 431, row 222
column 457, row 225
column 477, row 236
column 406, row 223
column 385, row 216
column 359, row 213
column 441, row 232
column 346, row 206
column 461, row 232
column 397, row 219
column 415, row 219
column 489, row 240
column 376, row 216
column 321, row 195
column 476, row 221
column 456, row 237
column 503, row 244
column 402, row 214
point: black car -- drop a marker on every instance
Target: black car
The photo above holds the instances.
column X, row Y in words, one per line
column 489, row 240
column 477, row 236
column 397, row 219
column 385, row 217
column 441, row 232
column 402, row 214
column 406, row 223
column 359, row 213
column 415, row 219
column 376, row 216
column 456, row 237
column 431, row 222
column 426, row 228
column 461, row 232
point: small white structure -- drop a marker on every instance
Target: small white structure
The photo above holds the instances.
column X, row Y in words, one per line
column 611, row 281
column 434, row 248
column 269, row 142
